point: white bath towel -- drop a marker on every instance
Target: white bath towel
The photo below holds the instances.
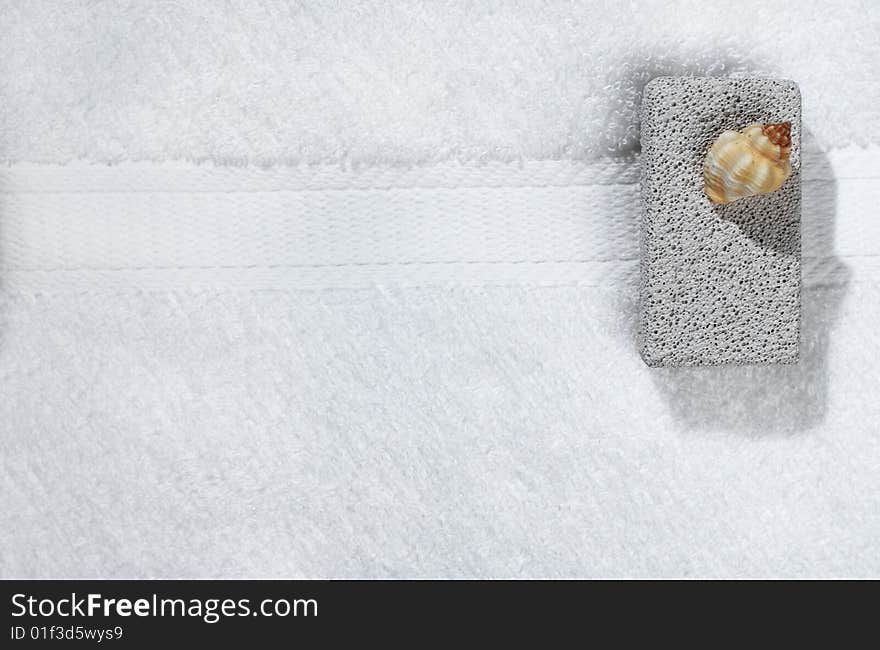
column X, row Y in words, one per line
column 355, row 297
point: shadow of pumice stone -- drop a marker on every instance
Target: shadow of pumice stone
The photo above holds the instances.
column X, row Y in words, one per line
column 784, row 399
column 720, row 284
column 758, row 400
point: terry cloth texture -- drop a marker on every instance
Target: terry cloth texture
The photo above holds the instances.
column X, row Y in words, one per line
column 416, row 358
column 403, row 81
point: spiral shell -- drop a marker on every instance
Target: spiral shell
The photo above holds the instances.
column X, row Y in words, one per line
column 748, row 162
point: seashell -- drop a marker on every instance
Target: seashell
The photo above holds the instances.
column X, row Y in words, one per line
column 748, row 162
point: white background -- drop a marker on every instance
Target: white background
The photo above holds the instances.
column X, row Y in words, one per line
column 357, row 297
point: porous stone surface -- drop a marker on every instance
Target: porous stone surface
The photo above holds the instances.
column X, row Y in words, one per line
column 720, row 284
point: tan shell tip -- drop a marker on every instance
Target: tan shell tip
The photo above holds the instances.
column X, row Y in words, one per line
column 779, row 133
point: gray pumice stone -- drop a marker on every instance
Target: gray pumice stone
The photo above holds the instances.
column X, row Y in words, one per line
column 720, row 284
